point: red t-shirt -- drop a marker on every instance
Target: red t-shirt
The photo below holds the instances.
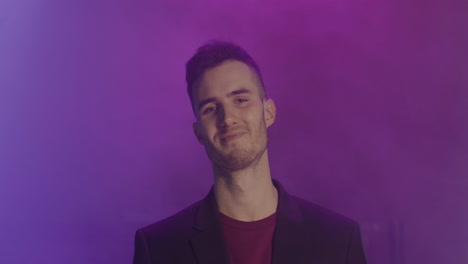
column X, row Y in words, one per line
column 249, row 242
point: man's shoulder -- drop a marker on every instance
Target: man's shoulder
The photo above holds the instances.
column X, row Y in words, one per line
column 179, row 223
column 321, row 216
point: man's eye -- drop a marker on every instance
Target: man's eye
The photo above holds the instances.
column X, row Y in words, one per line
column 241, row 100
column 209, row 109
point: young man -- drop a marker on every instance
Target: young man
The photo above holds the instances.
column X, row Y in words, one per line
column 246, row 218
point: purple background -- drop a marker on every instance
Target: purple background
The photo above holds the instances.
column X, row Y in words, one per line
column 96, row 137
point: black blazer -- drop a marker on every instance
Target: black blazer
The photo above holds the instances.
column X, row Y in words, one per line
column 304, row 233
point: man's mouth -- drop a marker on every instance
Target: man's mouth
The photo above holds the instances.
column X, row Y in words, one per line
column 232, row 136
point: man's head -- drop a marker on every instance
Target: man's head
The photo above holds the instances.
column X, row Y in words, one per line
column 228, row 99
column 213, row 54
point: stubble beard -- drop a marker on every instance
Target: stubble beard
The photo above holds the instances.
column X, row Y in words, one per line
column 239, row 158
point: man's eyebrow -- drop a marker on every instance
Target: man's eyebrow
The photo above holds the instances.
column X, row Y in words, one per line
column 213, row 99
column 240, row 91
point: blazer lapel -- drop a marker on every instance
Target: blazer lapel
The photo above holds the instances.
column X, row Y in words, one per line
column 291, row 242
column 208, row 239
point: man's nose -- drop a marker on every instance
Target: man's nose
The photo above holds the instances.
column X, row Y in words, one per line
column 226, row 116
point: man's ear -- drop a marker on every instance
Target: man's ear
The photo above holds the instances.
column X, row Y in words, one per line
column 196, row 130
column 269, row 109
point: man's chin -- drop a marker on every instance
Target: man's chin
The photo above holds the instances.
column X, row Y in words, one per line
column 233, row 161
column 231, row 166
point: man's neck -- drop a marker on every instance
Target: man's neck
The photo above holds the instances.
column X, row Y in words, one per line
column 246, row 195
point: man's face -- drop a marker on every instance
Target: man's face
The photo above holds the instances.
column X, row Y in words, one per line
column 232, row 115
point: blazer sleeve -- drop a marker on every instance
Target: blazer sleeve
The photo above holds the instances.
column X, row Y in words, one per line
column 355, row 249
column 141, row 254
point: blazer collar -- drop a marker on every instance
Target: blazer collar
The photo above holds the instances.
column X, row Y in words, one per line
column 208, row 242
column 289, row 239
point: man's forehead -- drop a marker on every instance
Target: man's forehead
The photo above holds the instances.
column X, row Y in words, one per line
column 219, row 92
column 226, row 78
column 226, row 73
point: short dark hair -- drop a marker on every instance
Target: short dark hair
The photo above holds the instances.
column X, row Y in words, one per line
column 212, row 54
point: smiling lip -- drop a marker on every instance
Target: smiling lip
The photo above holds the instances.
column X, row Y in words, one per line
column 231, row 137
